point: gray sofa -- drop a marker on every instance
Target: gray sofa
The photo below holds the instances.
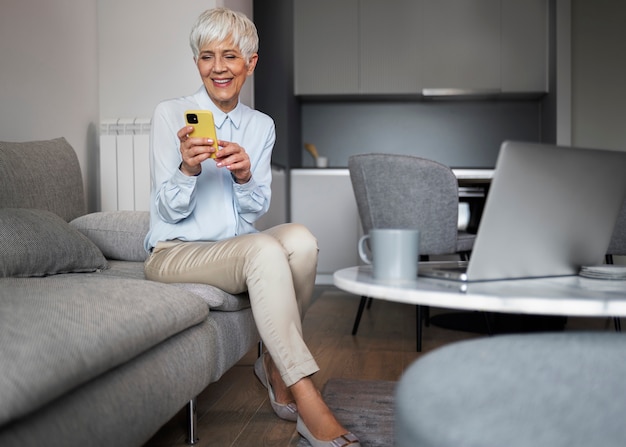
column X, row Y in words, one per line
column 91, row 353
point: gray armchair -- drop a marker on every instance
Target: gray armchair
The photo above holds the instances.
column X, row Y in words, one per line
column 404, row 191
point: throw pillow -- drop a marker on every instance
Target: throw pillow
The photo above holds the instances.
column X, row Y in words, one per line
column 119, row 234
column 36, row 242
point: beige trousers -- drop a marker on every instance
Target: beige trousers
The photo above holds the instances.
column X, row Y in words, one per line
column 277, row 267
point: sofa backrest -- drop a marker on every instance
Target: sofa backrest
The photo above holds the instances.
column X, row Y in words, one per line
column 43, row 175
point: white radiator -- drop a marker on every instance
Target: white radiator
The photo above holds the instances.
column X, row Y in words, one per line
column 124, row 164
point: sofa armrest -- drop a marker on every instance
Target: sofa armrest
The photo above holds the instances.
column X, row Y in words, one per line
column 118, row 234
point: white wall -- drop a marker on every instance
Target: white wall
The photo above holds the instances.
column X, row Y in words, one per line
column 49, row 76
column 67, row 64
column 145, row 55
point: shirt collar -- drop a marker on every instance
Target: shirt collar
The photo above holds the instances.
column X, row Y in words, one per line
column 219, row 117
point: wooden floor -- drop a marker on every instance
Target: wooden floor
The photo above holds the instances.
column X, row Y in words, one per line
column 235, row 411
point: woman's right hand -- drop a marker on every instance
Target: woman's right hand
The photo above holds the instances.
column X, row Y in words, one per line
column 193, row 151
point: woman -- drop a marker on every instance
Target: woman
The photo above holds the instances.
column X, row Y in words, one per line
column 203, row 211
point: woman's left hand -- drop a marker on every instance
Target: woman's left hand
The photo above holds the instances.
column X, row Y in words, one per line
column 234, row 158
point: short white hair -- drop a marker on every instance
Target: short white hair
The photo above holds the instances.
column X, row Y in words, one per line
column 218, row 24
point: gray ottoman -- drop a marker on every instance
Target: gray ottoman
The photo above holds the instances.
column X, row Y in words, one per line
column 551, row 389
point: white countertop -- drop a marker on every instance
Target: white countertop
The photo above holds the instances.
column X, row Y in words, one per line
column 461, row 173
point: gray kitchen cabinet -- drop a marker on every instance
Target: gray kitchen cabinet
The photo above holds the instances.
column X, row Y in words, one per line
column 376, row 47
column 323, row 201
column 326, row 47
column 389, row 31
column 524, row 46
column 356, row 46
column 460, row 45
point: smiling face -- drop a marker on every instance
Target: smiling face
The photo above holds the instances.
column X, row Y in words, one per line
column 224, row 70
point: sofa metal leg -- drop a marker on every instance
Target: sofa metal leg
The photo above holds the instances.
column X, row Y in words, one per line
column 192, row 422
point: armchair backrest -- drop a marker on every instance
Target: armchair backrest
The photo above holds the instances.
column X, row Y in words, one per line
column 404, row 191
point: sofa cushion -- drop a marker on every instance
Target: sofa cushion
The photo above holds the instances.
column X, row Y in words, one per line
column 215, row 298
column 38, row 243
column 119, row 234
column 61, row 331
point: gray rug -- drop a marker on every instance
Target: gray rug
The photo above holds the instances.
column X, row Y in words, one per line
column 364, row 407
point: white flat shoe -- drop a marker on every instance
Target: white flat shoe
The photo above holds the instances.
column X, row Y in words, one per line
column 288, row 412
column 345, row 440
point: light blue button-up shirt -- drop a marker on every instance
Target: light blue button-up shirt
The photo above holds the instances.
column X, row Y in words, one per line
column 211, row 206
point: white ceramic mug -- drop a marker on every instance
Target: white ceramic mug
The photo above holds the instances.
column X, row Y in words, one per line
column 394, row 253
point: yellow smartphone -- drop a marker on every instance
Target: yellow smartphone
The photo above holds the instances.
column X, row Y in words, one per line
column 203, row 126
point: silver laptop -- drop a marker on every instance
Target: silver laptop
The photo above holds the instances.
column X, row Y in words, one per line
column 550, row 210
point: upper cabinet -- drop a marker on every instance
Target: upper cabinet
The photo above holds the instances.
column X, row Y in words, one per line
column 412, row 47
column 388, row 62
column 326, row 46
column 460, row 45
column 524, row 46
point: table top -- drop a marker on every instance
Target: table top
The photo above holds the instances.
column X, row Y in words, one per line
column 563, row 295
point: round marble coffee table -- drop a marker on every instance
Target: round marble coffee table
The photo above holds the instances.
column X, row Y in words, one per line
column 564, row 295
